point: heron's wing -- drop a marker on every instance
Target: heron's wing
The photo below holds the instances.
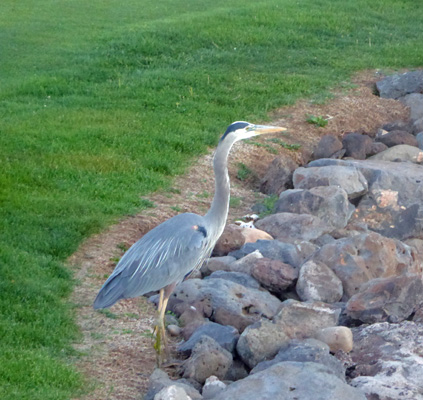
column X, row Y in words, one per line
column 163, row 256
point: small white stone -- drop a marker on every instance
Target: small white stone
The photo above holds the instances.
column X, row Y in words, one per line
column 174, row 330
column 337, row 338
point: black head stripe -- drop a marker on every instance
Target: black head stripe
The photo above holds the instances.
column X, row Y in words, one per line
column 202, row 230
column 233, row 127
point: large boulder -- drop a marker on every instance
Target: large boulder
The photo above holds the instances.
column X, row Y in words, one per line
column 393, row 205
column 207, row 358
column 415, row 102
column 396, row 86
column 307, row 350
column 329, row 203
column 363, row 257
column 291, row 380
column 346, row 177
column 329, row 146
column 401, row 152
column 224, row 302
column 388, row 361
column 394, row 138
column 317, row 282
column 356, row 145
column 294, row 228
column 391, row 299
column 278, row 176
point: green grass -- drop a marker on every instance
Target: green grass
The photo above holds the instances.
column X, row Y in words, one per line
column 102, row 102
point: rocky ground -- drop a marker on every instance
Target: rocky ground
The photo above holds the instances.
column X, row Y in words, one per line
column 343, row 271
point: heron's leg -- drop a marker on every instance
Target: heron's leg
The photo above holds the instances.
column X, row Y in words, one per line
column 158, row 329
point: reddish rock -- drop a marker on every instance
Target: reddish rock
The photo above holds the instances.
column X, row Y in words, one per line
column 391, row 299
column 394, row 138
column 231, row 239
column 279, row 175
column 329, row 146
column 274, row 275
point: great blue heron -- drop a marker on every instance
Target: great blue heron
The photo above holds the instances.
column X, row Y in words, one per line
column 164, row 256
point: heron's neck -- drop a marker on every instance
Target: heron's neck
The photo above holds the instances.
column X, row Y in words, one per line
column 218, row 211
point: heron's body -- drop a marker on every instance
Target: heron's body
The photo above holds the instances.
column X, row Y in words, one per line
column 171, row 251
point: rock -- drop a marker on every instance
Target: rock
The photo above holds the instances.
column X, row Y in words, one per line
column 212, row 387
column 395, row 138
column 360, row 258
column 417, row 126
column 303, row 319
column 357, row 145
column 307, row 350
column 273, row 249
column 292, row 228
column 246, row 263
column 327, row 147
column 278, row 176
column 396, row 86
column 376, row 148
column 225, row 336
column 419, row 138
column 274, row 275
column 348, row 178
column 402, row 152
column 329, row 203
column 251, row 235
column 224, row 302
column 216, row 264
column 174, row 330
column 317, row 282
column 388, row 362
column 159, row 380
column 237, row 277
column 291, row 380
column 415, row 102
column 397, row 126
column 337, row 338
column 237, row 371
column 260, row 341
column 231, row 239
column 393, row 205
column 173, row 392
column 207, row 358
column 391, row 299
column 191, row 319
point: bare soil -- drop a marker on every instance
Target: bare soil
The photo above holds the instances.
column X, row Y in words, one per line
column 116, row 350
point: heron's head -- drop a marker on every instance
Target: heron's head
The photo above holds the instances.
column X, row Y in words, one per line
column 240, row 130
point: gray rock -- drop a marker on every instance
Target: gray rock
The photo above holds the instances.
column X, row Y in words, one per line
column 260, row 341
column 419, row 138
column 246, row 263
column 278, row 176
column 237, row 277
column 224, row 302
column 417, row 126
column 376, row 148
column 388, row 362
column 291, row 380
column 216, row 264
column 396, row 86
column 237, row 371
column 395, row 138
column 317, row 282
column 360, row 258
column 303, row 319
column 394, row 204
column 397, row 126
column 292, row 228
column 415, row 102
column 207, row 358
column 212, row 388
column 391, row 299
column 160, row 380
column 356, row 145
column 274, row 275
column 226, row 336
column 172, row 392
column 402, row 152
column 348, row 178
column 329, row 203
column 327, row 147
column 273, row 249
column 307, row 350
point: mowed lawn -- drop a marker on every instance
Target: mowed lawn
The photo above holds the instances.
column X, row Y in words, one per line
column 103, row 101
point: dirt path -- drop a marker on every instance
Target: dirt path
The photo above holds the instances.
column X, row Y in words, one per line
column 117, row 352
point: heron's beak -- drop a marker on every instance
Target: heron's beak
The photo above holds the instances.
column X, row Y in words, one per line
column 263, row 129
